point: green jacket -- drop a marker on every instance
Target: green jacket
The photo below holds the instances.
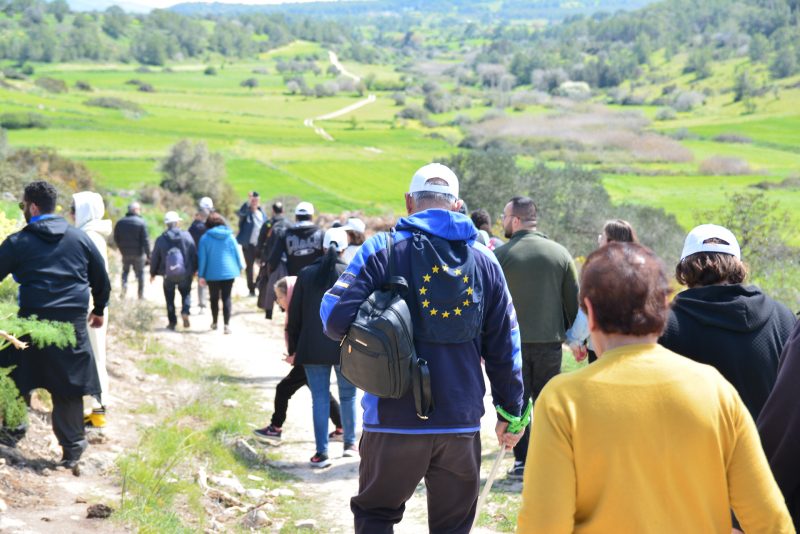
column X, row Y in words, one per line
column 543, row 282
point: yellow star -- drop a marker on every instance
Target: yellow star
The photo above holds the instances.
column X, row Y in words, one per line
column 435, row 269
column 469, row 291
column 445, row 267
column 466, row 279
column 457, row 272
column 423, row 290
column 427, row 278
column 446, row 314
column 425, row 303
column 434, row 311
column 465, row 303
column 457, row 311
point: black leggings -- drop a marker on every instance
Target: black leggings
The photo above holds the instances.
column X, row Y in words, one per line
column 216, row 288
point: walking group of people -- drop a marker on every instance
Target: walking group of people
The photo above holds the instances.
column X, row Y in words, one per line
column 684, row 419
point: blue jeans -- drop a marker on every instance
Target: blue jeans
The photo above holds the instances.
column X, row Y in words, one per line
column 319, row 382
column 184, row 286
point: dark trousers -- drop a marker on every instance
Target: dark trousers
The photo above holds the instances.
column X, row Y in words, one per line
column 250, row 254
column 540, row 363
column 393, row 464
column 68, row 425
column 137, row 264
column 288, row 387
column 217, row 289
column 184, row 287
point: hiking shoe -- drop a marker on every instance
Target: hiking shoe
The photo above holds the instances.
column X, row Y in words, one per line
column 201, row 310
column 185, row 317
column 213, row 326
column 96, row 419
column 171, row 326
column 320, row 460
column 350, row 451
column 227, row 330
column 336, row 435
column 516, row 472
column 269, row 432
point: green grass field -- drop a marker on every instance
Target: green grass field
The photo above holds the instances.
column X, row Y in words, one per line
column 266, row 146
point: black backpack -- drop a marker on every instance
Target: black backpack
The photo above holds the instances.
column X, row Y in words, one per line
column 378, row 354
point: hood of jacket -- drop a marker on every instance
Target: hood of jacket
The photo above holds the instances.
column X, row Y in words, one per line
column 449, row 225
column 219, row 232
column 736, row 307
column 89, row 211
column 174, row 235
column 50, row 229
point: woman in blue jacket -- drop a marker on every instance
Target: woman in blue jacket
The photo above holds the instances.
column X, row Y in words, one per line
column 220, row 264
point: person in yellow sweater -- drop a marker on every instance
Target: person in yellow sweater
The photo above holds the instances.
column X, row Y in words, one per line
column 643, row 440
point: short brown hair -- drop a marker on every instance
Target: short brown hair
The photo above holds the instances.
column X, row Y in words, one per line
column 619, row 231
column 628, row 288
column 355, row 238
column 710, row 268
column 214, row 219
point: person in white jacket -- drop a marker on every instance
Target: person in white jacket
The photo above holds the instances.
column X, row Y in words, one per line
column 88, row 210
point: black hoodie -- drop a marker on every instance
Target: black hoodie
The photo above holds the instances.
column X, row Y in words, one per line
column 736, row 329
column 55, row 265
column 779, row 426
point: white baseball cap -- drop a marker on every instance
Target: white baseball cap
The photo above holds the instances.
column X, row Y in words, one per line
column 335, row 236
column 434, row 170
column 355, row 224
column 171, row 217
column 304, row 208
column 206, row 203
column 696, row 241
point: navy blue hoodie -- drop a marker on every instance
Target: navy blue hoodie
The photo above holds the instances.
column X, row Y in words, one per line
column 456, row 375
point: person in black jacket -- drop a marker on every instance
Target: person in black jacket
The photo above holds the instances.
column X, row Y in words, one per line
column 779, row 426
column 271, row 232
column 317, row 352
column 130, row 235
column 197, row 229
column 300, row 244
column 721, row 322
column 174, row 244
column 56, row 266
column 251, row 219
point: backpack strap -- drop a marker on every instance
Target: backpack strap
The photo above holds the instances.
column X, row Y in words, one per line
column 396, row 284
column 421, row 384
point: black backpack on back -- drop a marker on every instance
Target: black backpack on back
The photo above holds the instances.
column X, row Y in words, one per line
column 378, row 354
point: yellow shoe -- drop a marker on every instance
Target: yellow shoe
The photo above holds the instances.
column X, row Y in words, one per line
column 96, row 419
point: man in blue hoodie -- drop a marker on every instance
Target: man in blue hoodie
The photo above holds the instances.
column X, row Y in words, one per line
column 461, row 311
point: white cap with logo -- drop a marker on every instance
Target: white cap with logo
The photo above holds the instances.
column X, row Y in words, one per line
column 206, row 203
column 434, row 170
column 696, row 241
column 335, row 236
column 171, row 217
column 304, row 208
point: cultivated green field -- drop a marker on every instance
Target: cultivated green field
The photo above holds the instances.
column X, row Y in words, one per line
column 267, row 147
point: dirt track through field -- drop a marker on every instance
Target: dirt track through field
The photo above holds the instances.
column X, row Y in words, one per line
column 339, row 112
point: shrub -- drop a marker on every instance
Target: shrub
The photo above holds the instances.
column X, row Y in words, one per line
column 12, row 74
column 725, row 166
column 412, row 112
column 250, row 83
column 191, row 168
column 146, row 88
column 688, row 100
column 144, row 69
column 22, row 120
column 134, row 81
column 109, row 102
column 666, row 114
column 52, row 85
column 210, row 71
column 399, row 99
column 27, row 70
column 83, row 86
column 732, row 138
column 326, row 89
column 260, row 70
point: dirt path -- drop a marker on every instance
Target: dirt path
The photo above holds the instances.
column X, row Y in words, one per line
column 55, row 501
column 339, row 112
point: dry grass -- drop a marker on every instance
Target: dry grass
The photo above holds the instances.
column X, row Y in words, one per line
column 725, row 166
column 594, row 129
